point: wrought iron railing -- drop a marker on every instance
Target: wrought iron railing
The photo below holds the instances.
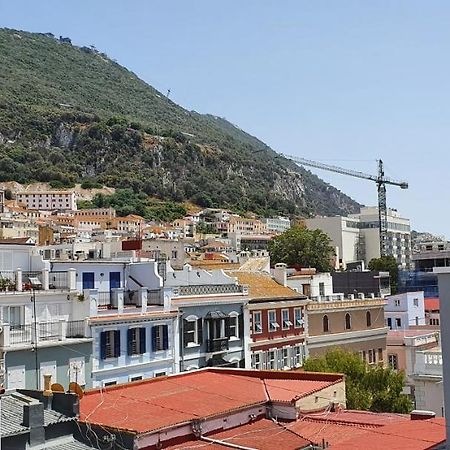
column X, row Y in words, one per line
column 211, row 289
column 217, row 345
column 58, row 280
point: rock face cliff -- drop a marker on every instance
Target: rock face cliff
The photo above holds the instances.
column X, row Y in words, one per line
column 70, row 115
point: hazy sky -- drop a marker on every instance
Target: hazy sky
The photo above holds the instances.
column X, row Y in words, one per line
column 344, row 82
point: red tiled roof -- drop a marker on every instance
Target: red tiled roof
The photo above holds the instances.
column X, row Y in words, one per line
column 432, row 304
column 260, row 435
column 161, row 402
column 411, row 435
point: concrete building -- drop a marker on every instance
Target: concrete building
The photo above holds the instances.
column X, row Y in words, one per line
column 364, row 283
column 356, row 325
column 277, row 224
column 306, row 281
column 356, row 237
column 48, row 200
column 405, row 310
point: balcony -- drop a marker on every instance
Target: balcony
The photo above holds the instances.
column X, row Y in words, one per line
column 217, row 345
column 429, row 363
column 26, row 335
column 210, row 289
column 16, row 281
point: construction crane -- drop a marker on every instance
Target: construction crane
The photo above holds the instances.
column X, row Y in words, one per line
column 380, row 180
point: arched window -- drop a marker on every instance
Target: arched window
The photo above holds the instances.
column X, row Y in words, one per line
column 348, row 321
column 326, row 324
column 368, row 319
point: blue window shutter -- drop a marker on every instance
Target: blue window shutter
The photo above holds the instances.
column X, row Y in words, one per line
column 154, row 339
column 103, row 345
column 142, row 340
column 129, row 341
column 165, row 337
column 116, row 343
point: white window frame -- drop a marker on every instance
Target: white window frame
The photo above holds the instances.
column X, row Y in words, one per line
column 233, row 315
column 285, row 357
column 285, row 322
column 273, row 360
column 257, row 323
column 272, row 324
column 298, row 321
column 297, row 355
column 257, row 365
column 194, row 319
column 391, row 358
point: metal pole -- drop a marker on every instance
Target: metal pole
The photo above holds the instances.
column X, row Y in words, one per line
column 36, row 367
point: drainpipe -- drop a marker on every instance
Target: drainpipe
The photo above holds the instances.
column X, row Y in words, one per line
column 181, row 340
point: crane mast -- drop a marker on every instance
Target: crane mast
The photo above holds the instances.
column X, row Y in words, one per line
column 380, row 180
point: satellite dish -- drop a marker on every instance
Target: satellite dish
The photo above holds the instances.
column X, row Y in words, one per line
column 56, row 387
column 76, row 388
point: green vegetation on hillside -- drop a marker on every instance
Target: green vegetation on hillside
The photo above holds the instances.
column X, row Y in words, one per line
column 71, row 114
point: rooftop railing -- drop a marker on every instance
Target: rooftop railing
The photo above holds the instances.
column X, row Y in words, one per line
column 211, row 289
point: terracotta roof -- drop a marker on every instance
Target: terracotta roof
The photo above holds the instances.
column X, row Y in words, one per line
column 213, row 264
column 432, row 304
column 262, row 285
column 411, row 435
column 156, row 403
column 259, row 435
column 18, row 241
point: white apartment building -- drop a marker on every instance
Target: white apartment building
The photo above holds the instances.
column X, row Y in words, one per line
column 405, row 310
column 48, row 200
column 277, row 224
column 357, row 236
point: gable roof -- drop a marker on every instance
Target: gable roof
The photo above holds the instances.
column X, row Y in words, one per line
column 157, row 403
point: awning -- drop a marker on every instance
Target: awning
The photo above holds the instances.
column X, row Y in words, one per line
column 215, row 315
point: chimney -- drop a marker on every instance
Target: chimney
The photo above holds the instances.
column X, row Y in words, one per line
column 280, row 273
column 419, row 414
column 33, row 417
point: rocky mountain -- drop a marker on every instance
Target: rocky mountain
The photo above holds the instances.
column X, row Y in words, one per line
column 71, row 115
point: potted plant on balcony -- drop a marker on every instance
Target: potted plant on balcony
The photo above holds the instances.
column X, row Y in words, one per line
column 80, row 297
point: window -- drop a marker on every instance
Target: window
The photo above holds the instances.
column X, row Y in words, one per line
column 368, row 319
column 273, row 325
column 136, row 378
column 271, row 363
column 192, row 331
column 417, row 321
column 396, row 302
column 285, row 357
column 174, row 254
column 233, row 326
column 109, row 344
column 371, row 356
column 321, row 289
column 257, row 322
column 393, row 362
column 136, row 341
column 416, row 302
column 398, row 322
column 160, row 338
column 298, row 321
column 326, row 324
column 389, row 323
column 257, row 360
column 348, row 322
column 285, row 322
column 160, row 374
column 380, row 354
column 109, row 383
column 298, row 355
column 88, row 280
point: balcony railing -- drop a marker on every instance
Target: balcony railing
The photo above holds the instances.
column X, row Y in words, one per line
column 20, row 334
column 428, row 363
column 211, row 289
column 217, row 345
column 75, row 329
column 104, row 299
column 58, row 280
column 49, row 331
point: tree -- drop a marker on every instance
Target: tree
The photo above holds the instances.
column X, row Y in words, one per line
column 388, row 264
column 377, row 389
column 299, row 246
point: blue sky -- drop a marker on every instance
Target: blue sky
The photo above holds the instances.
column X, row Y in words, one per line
column 344, row 82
